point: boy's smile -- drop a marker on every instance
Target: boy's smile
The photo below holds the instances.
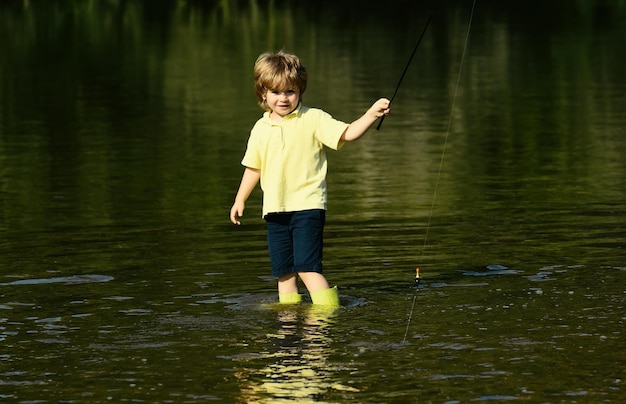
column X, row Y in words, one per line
column 282, row 103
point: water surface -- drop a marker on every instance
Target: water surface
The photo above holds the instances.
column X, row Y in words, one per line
column 122, row 125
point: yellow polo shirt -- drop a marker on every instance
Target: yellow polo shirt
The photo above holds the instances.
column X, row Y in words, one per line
column 290, row 155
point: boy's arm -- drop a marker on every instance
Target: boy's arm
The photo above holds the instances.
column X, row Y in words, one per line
column 249, row 180
column 361, row 125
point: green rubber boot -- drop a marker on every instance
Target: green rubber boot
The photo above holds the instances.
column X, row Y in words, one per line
column 326, row 297
column 289, row 298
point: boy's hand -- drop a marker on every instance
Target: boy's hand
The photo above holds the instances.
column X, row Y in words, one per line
column 251, row 177
column 236, row 212
column 380, row 108
column 357, row 128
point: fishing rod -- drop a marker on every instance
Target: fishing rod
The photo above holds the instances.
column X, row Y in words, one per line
column 406, row 68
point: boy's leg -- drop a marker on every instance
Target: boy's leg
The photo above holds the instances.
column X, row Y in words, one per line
column 308, row 237
column 288, row 289
column 313, row 281
column 287, row 284
column 280, row 247
column 281, row 254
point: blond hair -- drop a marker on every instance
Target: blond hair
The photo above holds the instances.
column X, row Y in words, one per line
column 278, row 71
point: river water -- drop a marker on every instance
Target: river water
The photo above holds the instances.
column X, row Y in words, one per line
column 122, row 124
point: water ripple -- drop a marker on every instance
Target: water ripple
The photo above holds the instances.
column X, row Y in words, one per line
column 68, row 280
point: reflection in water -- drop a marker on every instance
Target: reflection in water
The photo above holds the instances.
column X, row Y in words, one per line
column 121, row 127
column 297, row 364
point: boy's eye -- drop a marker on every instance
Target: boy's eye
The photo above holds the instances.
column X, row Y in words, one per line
column 276, row 92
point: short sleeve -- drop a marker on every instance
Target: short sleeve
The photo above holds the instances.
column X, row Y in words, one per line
column 252, row 156
column 330, row 130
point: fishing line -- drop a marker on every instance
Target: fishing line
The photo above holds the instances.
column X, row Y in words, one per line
column 443, row 153
column 419, row 40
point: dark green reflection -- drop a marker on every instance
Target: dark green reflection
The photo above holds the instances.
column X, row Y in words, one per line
column 122, row 124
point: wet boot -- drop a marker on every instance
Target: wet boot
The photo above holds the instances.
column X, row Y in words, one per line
column 326, row 297
column 289, row 298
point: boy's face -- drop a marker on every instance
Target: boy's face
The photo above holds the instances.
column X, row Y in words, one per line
column 282, row 102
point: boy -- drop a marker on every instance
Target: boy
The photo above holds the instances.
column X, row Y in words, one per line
column 286, row 153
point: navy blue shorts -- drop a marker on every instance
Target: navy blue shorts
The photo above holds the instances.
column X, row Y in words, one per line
column 295, row 241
